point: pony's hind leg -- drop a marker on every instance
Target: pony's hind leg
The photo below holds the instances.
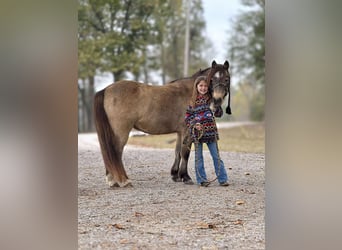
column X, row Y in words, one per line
column 113, row 182
column 112, row 131
column 110, row 180
column 117, row 176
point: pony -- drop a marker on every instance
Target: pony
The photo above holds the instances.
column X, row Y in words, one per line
column 125, row 105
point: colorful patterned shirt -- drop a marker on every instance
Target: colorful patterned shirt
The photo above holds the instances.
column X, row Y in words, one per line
column 202, row 114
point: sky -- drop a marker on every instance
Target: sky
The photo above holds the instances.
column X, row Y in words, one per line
column 218, row 15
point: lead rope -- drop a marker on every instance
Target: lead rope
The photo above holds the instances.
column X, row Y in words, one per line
column 197, row 138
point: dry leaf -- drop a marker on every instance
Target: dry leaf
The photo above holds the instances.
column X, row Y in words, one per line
column 238, row 222
column 137, row 214
column 118, row 226
column 239, row 202
column 123, row 241
column 204, row 225
column 247, row 173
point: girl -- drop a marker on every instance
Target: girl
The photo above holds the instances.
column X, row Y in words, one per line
column 201, row 122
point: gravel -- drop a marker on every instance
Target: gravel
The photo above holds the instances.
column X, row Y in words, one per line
column 157, row 213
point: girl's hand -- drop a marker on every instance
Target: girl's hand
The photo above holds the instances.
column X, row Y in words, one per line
column 198, row 126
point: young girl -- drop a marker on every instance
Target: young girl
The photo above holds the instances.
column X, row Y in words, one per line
column 201, row 122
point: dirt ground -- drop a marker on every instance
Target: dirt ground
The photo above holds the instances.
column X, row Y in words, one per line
column 157, row 213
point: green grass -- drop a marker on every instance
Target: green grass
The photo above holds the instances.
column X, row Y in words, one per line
column 248, row 138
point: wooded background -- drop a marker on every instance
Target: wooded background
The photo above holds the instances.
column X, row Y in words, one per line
column 144, row 40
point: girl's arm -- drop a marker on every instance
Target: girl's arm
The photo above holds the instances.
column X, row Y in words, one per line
column 190, row 117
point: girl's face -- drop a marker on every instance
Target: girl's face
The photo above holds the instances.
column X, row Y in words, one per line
column 202, row 87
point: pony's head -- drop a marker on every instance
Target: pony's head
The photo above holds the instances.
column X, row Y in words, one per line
column 219, row 82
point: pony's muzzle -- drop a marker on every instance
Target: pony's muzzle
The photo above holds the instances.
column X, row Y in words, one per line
column 219, row 94
column 217, row 101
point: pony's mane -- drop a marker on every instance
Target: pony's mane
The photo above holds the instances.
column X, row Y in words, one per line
column 189, row 77
column 198, row 73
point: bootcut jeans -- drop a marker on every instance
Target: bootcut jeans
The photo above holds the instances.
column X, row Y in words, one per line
column 218, row 163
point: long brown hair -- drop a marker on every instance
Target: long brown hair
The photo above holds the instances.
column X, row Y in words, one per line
column 195, row 91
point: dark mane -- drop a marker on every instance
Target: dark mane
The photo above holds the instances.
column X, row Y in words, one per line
column 195, row 75
column 200, row 72
column 189, row 77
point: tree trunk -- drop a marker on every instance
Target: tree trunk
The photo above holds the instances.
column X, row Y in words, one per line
column 145, row 68
column 118, row 75
column 162, row 51
column 175, row 58
column 90, row 104
column 82, row 109
column 80, row 106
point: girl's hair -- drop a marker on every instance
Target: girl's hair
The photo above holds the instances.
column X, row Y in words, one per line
column 195, row 91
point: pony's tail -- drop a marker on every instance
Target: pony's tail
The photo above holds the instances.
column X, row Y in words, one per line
column 110, row 153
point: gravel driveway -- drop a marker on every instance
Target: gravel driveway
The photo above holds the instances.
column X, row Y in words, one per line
column 157, row 213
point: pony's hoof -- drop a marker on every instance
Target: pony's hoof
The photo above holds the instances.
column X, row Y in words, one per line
column 188, row 182
column 114, row 185
column 127, row 183
column 176, row 179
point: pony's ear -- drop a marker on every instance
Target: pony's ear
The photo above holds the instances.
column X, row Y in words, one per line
column 226, row 64
column 213, row 64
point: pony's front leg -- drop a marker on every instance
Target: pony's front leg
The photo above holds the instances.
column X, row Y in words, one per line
column 175, row 167
column 185, row 153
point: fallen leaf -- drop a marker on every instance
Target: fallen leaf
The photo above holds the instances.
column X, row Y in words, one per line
column 247, row 173
column 239, row 202
column 118, row 226
column 204, row 225
column 238, row 222
column 123, row 241
column 247, row 191
column 138, row 214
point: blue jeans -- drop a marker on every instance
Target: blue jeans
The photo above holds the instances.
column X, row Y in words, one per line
column 218, row 163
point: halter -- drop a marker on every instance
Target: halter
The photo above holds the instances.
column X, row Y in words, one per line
column 219, row 68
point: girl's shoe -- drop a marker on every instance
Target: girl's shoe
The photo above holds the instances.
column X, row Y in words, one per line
column 205, row 184
column 224, row 184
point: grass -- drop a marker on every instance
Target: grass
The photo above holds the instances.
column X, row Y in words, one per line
column 248, row 138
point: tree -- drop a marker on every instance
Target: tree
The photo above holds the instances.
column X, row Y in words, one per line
column 247, row 53
column 121, row 30
column 172, row 35
column 112, row 38
column 165, row 51
column 164, row 19
column 89, row 60
column 198, row 42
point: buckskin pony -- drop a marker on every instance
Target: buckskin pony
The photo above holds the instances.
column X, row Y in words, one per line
column 125, row 105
